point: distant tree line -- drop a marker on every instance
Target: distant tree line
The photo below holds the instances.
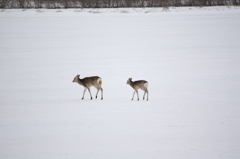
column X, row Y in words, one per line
column 53, row 4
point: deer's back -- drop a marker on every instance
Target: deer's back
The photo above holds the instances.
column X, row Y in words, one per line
column 90, row 81
column 139, row 84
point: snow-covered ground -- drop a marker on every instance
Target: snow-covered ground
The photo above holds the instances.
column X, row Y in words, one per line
column 189, row 56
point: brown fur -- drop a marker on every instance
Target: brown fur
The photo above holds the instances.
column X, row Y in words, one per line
column 88, row 82
column 141, row 84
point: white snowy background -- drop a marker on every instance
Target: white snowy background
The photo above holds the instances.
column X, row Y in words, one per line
column 189, row 56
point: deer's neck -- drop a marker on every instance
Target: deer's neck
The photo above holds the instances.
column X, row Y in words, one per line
column 131, row 84
column 79, row 81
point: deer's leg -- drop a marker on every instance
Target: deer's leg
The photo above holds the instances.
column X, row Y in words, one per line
column 137, row 94
column 147, row 94
column 84, row 92
column 144, row 95
column 133, row 94
column 101, row 93
column 99, row 88
column 89, row 92
column 97, row 92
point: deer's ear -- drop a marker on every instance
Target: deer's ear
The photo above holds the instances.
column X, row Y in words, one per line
column 130, row 78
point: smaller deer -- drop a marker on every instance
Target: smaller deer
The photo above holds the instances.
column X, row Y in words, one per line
column 141, row 84
column 88, row 82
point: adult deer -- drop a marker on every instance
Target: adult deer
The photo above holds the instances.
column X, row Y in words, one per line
column 141, row 84
column 88, row 82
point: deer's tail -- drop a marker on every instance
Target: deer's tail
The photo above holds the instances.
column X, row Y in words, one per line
column 99, row 81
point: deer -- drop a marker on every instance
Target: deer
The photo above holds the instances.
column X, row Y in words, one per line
column 141, row 84
column 88, row 82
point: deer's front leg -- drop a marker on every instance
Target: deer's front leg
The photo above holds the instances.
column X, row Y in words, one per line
column 84, row 92
column 137, row 94
column 133, row 94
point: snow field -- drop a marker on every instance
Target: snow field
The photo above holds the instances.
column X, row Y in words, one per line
column 189, row 56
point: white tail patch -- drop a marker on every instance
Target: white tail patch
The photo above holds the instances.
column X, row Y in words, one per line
column 99, row 81
column 146, row 85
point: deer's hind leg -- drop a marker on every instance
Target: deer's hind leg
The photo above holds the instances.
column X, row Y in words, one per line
column 97, row 92
column 99, row 88
column 145, row 93
column 101, row 93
